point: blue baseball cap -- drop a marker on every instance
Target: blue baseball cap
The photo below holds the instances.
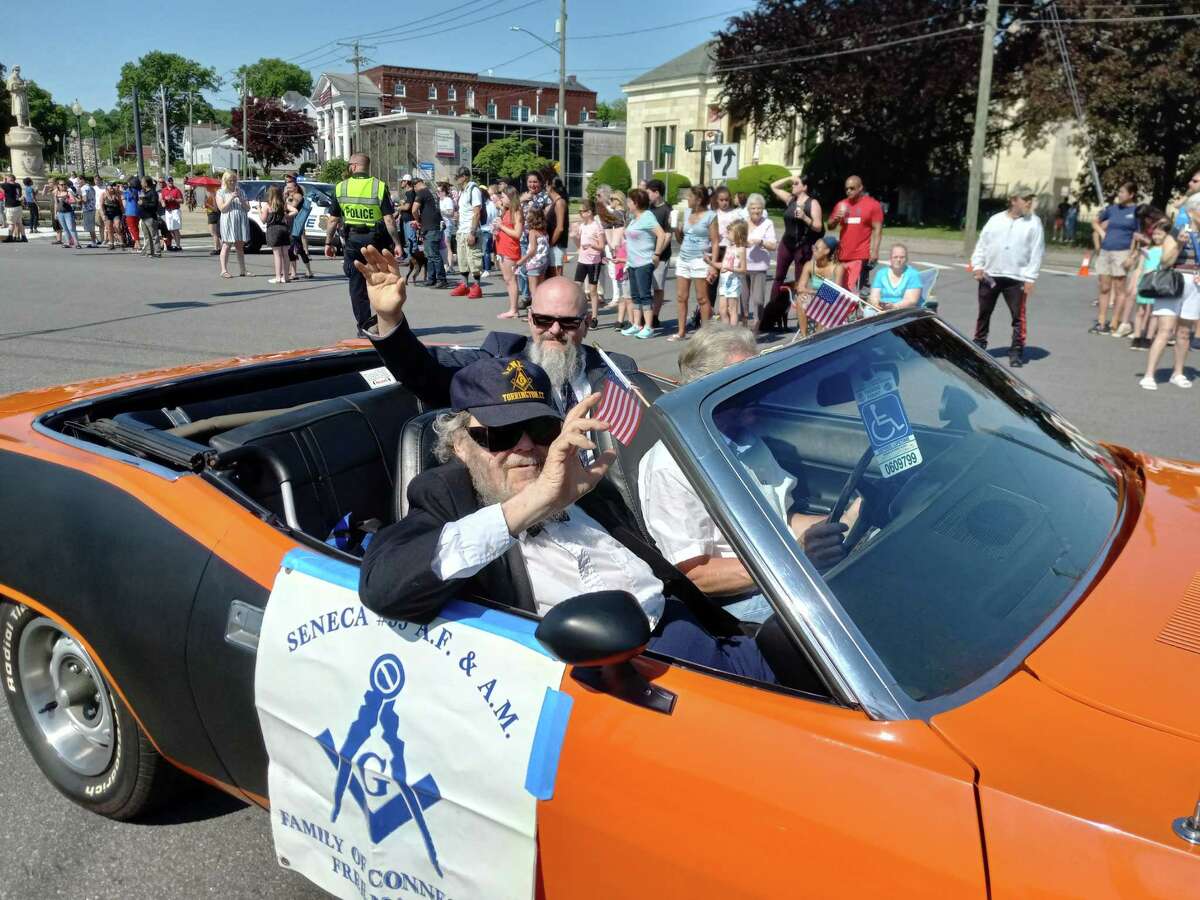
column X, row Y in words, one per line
column 502, row 391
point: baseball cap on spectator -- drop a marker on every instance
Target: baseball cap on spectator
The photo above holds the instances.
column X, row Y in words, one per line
column 405, row 177
column 832, row 242
column 1023, row 191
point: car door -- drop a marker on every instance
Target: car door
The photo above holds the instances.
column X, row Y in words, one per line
column 747, row 791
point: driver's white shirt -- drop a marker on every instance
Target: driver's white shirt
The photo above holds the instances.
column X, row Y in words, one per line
column 564, row 559
column 678, row 520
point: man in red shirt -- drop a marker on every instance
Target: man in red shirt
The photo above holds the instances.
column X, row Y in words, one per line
column 172, row 199
column 861, row 218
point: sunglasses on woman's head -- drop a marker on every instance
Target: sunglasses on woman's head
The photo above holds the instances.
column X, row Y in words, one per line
column 541, row 431
column 566, row 323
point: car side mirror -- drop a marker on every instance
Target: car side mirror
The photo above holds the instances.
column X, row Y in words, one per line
column 595, row 629
column 601, row 634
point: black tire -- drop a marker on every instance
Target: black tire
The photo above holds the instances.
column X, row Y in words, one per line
column 135, row 780
column 257, row 239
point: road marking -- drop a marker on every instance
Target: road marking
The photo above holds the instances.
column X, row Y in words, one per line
column 1042, row 271
column 932, row 265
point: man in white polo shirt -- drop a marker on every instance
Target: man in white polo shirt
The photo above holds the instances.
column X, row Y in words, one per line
column 470, row 243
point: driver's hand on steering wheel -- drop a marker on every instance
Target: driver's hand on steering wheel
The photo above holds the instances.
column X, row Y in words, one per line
column 822, row 544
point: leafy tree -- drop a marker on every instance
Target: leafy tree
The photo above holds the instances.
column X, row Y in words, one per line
column 1139, row 90
column 333, row 171
column 611, row 110
column 894, row 115
column 758, row 180
column 274, row 135
column 614, row 172
column 272, row 77
column 178, row 75
column 509, row 157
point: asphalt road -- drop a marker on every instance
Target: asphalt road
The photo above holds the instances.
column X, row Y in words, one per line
column 70, row 315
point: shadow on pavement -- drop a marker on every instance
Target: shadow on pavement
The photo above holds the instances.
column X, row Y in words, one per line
column 1032, row 354
column 195, row 802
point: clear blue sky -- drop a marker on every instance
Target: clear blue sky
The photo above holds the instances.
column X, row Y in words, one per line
column 218, row 33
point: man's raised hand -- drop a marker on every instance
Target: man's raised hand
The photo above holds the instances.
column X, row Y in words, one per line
column 385, row 287
column 565, row 479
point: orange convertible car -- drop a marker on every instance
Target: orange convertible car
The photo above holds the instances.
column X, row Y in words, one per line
column 995, row 694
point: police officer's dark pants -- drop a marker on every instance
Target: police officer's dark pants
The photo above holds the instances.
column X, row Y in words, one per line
column 1013, row 292
column 435, row 265
column 359, row 302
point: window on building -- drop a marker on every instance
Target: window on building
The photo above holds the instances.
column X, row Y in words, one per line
column 433, row 92
column 399, row 90
column 646, row 146
column 519, row 113
column 432, row 111
column 399, row 108
column 552, row 113
column 453, row 111
column 491, row 110
column 660, row 139
column 452, row 93
column 471, row 98
column 583, row 114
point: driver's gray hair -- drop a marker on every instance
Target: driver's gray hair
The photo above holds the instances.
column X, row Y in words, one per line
column 446, row 429
column 711, row 348
column 1192, row 204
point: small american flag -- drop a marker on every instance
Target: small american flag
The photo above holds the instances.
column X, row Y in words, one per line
column 326, row 96
column 620, row 409
column 831, row 306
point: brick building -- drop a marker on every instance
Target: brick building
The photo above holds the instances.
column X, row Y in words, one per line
column 403, row 89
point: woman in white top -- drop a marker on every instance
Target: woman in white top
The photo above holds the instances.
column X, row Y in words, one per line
column 695, row 262
column 762, row 243
column 235, row 224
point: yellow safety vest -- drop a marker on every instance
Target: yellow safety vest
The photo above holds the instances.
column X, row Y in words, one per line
column 361, row 201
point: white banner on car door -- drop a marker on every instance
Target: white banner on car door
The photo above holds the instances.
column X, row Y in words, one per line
column 405, row 760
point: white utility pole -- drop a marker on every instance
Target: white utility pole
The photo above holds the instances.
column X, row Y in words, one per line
column 191, row 137
column 562, row 91
column 970, row 226
column 245, row 130
column 358, row 59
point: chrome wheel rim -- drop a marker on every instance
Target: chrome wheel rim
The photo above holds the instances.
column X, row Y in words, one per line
column 66, row 697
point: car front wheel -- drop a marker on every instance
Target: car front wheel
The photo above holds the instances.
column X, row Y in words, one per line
column 81, row 735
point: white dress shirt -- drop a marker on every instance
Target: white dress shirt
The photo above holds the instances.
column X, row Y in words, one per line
column 678, row 520
column 564, row 559
column 1010, row 248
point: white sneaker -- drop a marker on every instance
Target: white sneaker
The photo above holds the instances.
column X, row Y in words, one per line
column 1125, row 330
column 1148, row 383
column 1181, row 381
column 483, row 275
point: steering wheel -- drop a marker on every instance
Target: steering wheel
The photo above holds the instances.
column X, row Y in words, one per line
column 843, row 501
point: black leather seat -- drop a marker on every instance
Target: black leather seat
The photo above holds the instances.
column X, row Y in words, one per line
column 340, row 454
column 413, row 456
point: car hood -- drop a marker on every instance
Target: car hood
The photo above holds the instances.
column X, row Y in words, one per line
column 1132, row 647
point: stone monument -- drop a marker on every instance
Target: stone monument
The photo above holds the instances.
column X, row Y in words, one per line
column 22, row 139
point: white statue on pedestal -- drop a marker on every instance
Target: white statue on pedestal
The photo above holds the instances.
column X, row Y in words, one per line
column 23, row 139
column 18, row 91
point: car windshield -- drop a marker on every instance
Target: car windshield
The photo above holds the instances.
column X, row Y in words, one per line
column 972, row 509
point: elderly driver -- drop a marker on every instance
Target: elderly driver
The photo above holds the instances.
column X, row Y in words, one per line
column 558, row 323
column 677, row 518
column 512, row 517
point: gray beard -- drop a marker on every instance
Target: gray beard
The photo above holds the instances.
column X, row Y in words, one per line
column 559, row 365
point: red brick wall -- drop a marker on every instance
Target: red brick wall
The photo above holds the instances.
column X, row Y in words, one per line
column 416, row 83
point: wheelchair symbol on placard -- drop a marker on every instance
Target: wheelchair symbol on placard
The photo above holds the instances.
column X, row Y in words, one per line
column 885, row 420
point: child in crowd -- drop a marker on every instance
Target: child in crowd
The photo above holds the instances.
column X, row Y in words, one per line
column 537, row 257
column 733, row 300
column 1144, row 322
column 589, row 238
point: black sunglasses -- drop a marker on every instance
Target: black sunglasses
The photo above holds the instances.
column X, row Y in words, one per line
column 541, row 431
column 566, row 323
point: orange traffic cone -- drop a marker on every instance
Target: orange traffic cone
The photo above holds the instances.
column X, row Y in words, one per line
column 1083, row 266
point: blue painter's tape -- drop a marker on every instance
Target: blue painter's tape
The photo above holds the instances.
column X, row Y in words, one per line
column 494, row 621
column 542, row 771
column 323, row 567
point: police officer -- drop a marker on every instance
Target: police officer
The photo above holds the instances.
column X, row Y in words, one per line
column 363, row 205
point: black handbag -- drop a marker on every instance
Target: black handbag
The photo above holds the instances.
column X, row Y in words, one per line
column 1162, row 284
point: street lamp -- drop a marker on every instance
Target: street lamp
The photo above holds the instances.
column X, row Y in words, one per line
column 561, row 46
column 95, row 153
column 78, row 110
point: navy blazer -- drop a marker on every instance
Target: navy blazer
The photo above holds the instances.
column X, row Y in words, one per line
column 427, row 371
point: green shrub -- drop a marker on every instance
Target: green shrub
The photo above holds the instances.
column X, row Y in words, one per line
column 614, row 172
column 333, row 171
column 757, row 180
column 307, row 167
column 674, row 186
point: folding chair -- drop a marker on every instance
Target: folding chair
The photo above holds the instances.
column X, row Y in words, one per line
column 928, row 279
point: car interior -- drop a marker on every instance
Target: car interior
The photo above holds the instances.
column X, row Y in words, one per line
column 308, row 442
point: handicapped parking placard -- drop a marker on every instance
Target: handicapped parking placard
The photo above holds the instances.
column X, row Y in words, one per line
column 887, row 425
